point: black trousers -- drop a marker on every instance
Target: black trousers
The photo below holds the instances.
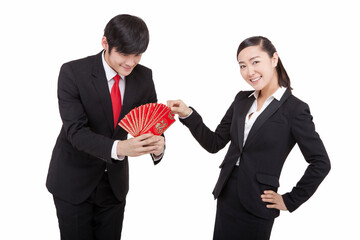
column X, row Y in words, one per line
column 100, row 217
column 233, row 221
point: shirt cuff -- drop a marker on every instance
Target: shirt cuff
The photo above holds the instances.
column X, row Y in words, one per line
column 187, row 115
column 157, row 158
column 114, row 153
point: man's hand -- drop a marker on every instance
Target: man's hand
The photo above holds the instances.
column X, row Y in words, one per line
column 159, row 143
column 275, row 199
column 144, row 144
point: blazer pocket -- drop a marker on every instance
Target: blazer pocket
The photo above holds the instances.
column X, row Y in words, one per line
column 269, row 180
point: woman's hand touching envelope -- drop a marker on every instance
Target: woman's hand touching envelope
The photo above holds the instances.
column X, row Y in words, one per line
column 179, row 107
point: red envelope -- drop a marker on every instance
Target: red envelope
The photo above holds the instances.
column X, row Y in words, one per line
column 151, row 117
column 162, row 124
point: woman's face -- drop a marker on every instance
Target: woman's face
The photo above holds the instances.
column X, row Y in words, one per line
column 257, row 68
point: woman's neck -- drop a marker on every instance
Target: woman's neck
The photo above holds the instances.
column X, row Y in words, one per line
column 269, row 90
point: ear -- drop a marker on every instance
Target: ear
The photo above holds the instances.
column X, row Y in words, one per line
column 105, row 44
column 275, row 59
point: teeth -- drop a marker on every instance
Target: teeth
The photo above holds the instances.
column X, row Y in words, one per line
column 256, row 79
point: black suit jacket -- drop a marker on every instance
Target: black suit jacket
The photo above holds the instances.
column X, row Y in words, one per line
column 275, row 132
column 83, row 148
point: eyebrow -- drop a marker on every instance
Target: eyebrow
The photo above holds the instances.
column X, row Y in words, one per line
column 250, row 59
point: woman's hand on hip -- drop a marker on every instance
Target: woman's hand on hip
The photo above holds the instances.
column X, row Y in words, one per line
column 275, row 200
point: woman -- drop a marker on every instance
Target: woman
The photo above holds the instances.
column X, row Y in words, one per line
column 262, row 127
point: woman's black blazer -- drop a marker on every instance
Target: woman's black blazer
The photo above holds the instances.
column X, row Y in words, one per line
column 275, row 132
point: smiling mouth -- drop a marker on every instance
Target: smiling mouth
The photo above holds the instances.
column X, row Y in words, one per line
column 255, row 79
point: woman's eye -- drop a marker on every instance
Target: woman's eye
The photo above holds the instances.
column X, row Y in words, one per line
column 255, row 62
column 242, row 66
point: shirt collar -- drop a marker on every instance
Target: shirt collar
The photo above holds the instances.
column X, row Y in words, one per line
column 109, row 72
column 277, row 94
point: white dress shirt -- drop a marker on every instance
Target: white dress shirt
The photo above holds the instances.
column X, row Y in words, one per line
column 253, row 113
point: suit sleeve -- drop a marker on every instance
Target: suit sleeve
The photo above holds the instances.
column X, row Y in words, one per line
column 75, row 121
column 313, row 150
column 209, row 140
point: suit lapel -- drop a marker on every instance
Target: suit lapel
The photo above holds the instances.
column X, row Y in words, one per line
column 270, row 110
column 100, row 83
column 129, row 95
column 245, row 106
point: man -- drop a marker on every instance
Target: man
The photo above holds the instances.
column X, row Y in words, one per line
column 88, row 174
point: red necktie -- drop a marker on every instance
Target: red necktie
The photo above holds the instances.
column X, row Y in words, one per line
column 116, row 99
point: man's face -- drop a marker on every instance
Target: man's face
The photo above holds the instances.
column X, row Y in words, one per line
column 121, row 63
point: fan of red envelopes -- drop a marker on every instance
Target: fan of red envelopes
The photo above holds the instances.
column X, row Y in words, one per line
column 151, row 117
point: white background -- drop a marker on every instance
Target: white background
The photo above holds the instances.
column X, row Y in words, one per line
column 192, row 53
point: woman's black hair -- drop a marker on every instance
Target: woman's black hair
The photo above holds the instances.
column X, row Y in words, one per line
column 127, row 34
column 268, row 47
